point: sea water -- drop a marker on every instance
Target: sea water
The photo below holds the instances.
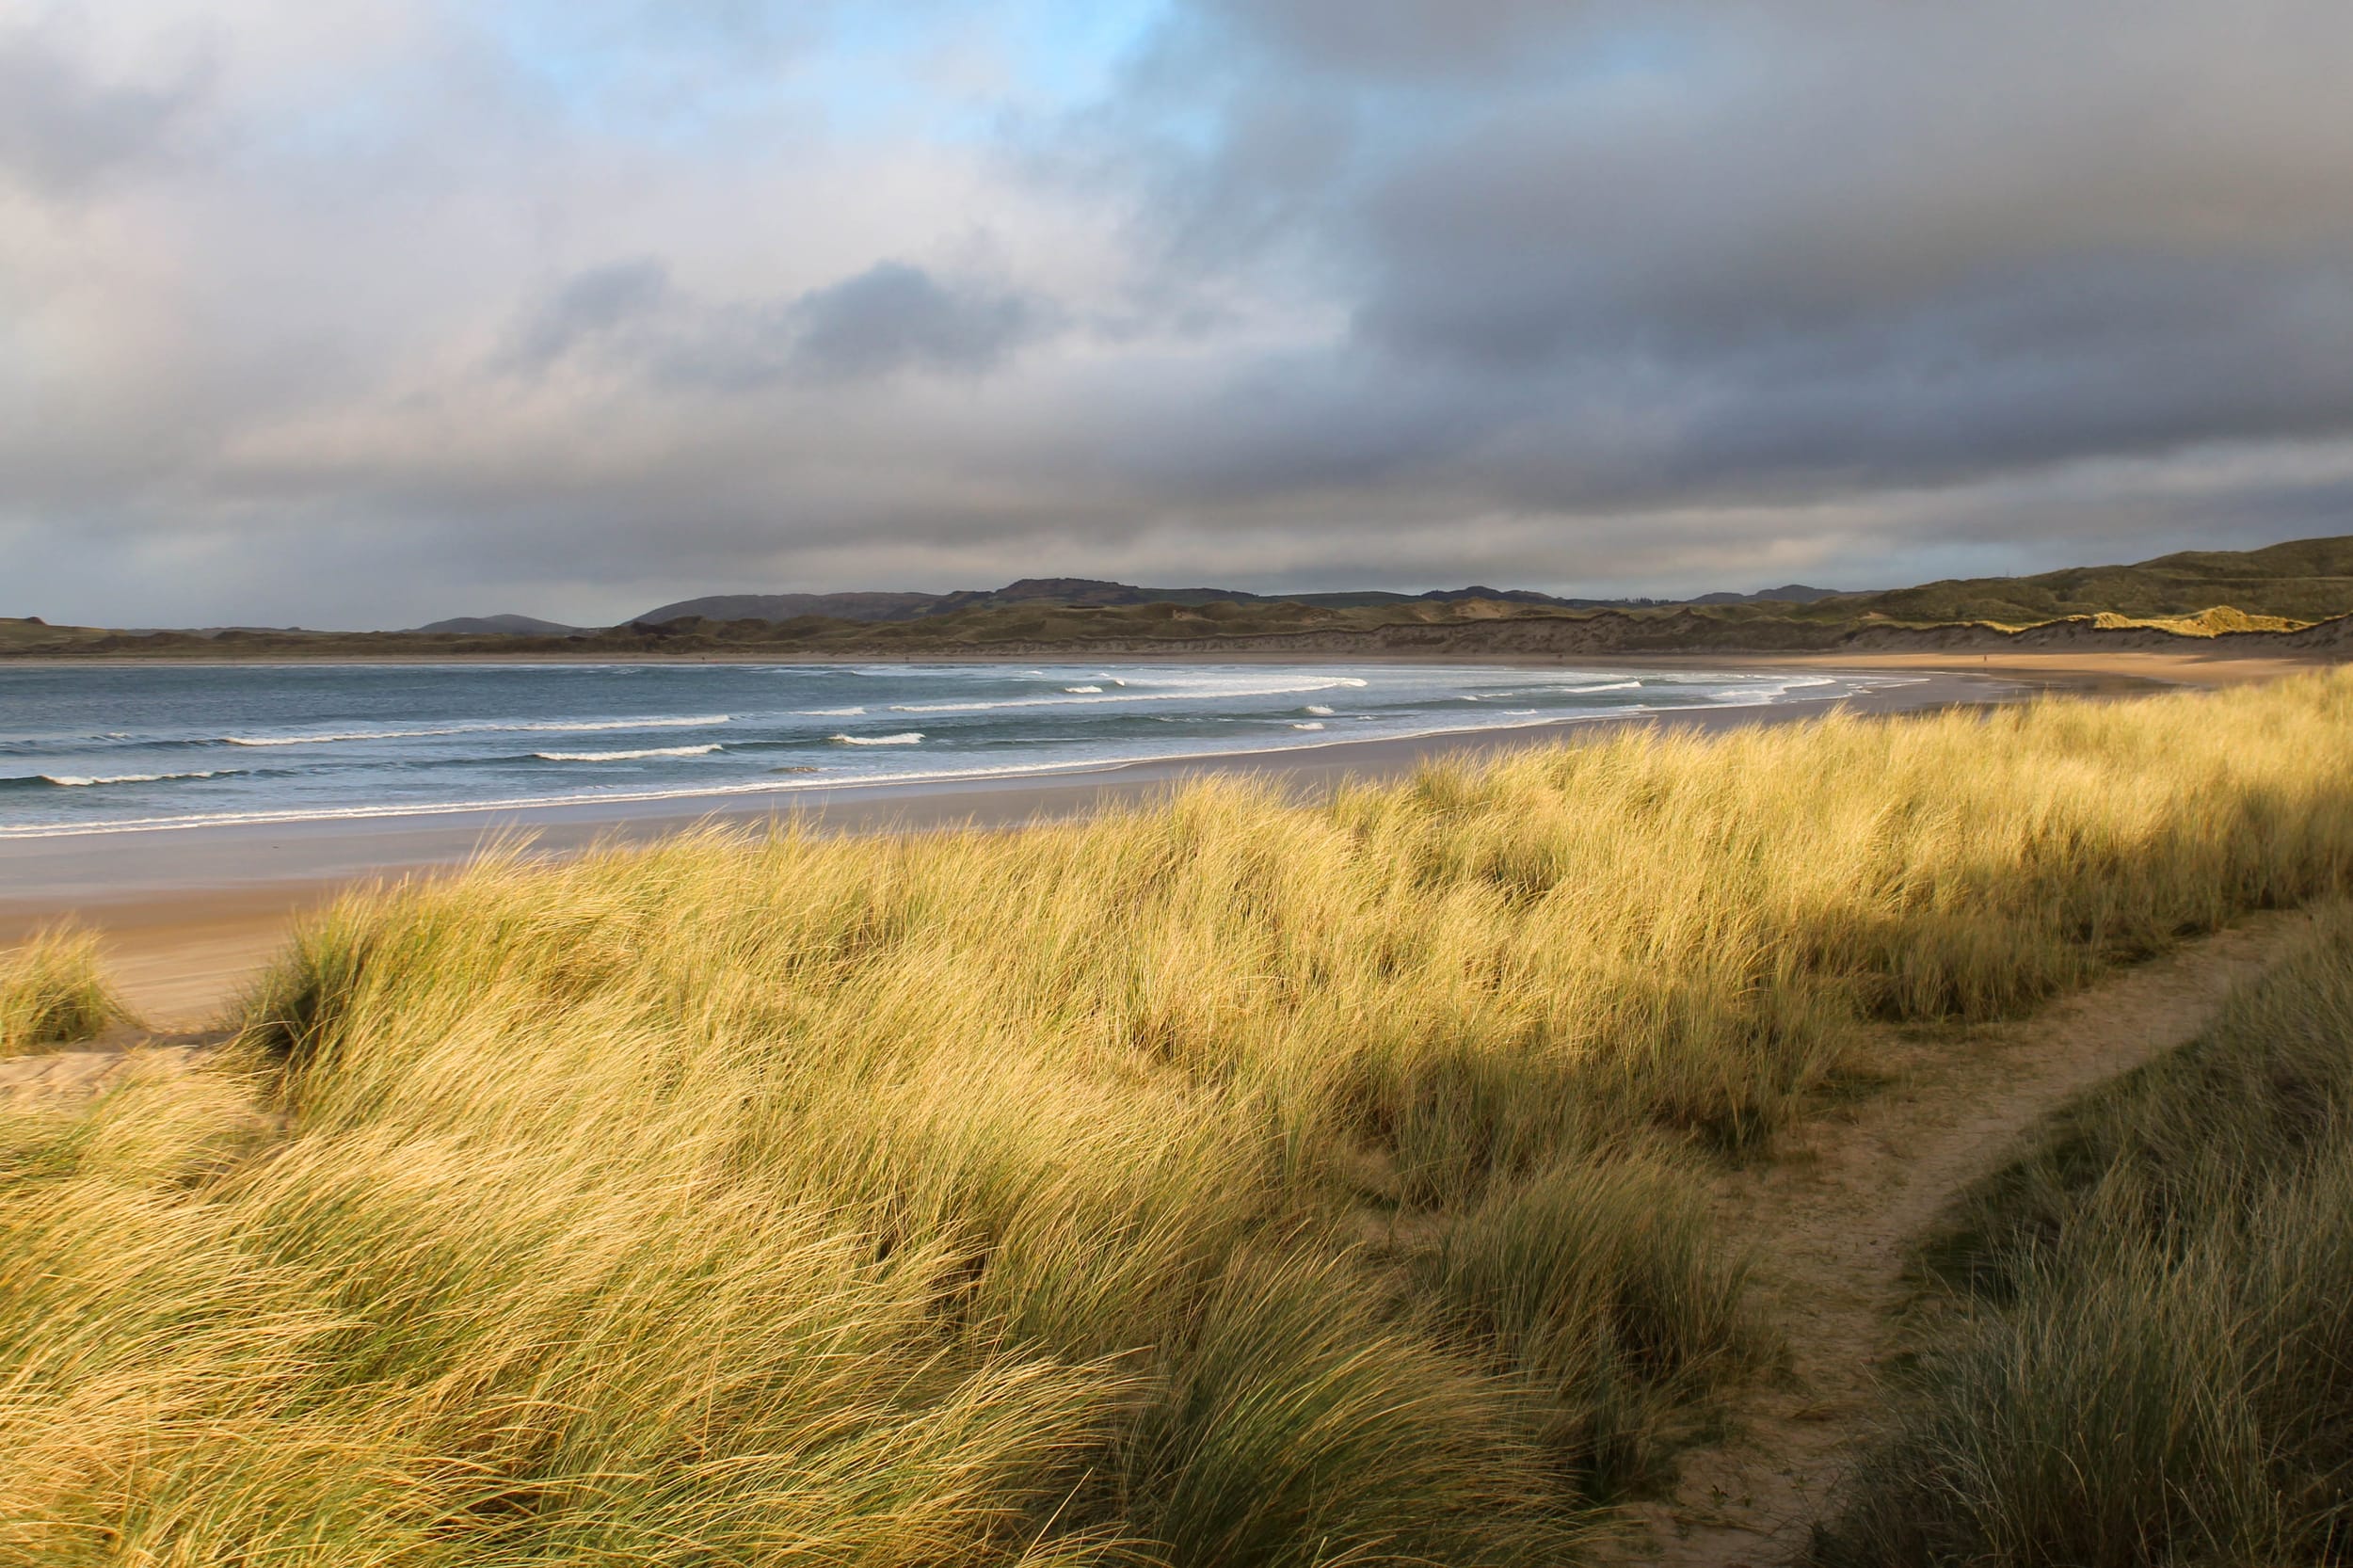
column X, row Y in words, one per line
column 151, row 747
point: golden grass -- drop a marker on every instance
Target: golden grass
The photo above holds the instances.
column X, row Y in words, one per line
column 2211, row 622
column 53, row 993
column 1229, row 1181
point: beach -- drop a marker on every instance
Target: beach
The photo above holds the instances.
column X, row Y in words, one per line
column 189, row 914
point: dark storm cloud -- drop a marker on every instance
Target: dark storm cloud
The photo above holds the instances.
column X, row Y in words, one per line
column 1822, row 244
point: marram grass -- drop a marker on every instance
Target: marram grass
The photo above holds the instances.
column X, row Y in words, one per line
column 53, row 993
column 1223, row 1182
column 2160, row 1369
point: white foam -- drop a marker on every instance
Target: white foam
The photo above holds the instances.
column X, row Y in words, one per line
column 1082, row 688
column 1182, row 692
column 624, row 756
column 1612, row 686
column 82, row 781
column 1318, row 708
column 582, row 728
column 1311, row 724
column 912, row 737
column 832, row 713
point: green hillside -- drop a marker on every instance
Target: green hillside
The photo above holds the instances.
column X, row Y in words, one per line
column 2304, row 580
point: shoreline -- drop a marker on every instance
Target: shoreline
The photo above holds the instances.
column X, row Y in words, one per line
column 2185, row 666
column 188, row 913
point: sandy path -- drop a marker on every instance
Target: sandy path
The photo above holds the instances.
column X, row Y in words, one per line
column 69, row 1080
column 1837, row 1213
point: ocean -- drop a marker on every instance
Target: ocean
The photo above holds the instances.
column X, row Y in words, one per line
column 115, row 749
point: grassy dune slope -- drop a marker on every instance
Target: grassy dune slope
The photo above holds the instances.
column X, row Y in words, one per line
column 2159, row 1367
column 1227, row 1182
column 2304, row 580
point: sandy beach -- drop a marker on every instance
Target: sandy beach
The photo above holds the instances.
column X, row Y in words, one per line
column 189, row 914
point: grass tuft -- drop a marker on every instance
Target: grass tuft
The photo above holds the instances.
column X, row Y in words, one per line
column 1599, row 1290
column 54, row 993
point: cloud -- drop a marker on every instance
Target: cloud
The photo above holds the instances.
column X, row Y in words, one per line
column 1868, row 240
column 591, row 305
column 64, row 129
column 894, row 318
column 890, row 319
column 595, row 306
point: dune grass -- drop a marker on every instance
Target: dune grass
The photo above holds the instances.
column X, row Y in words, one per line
column 54, row 993
column 2211, row 622
column 2160, row 1369
column 1228, row 1181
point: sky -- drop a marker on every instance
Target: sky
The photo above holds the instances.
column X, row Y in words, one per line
column 364, row 315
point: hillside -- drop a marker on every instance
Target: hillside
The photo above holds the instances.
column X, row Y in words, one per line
column 1082, row 592
column 508, row 626
column 2304, row 580
column 2286, row 599
column 1094, row 593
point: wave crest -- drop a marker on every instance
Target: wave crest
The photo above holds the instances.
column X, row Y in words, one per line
column 84, row 781
column 582, row 726
column 624, row 756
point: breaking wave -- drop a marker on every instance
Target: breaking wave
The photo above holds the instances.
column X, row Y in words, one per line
column 624, row 756
column 82, row 781
column 1181, row 692
column 582, row 726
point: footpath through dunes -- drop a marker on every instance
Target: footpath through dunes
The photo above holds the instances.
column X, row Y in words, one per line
column 1836, row 1216
column 70, row 1080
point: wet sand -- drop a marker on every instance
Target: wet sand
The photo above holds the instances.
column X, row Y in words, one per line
column 189, row 914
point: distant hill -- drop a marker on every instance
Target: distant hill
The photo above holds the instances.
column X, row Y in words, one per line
column 1789, row 593
column 2215, row 596
column 2305, row 580
column 914, row 606
column 500, row 626
column 781, row 607
column 1094, row 593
